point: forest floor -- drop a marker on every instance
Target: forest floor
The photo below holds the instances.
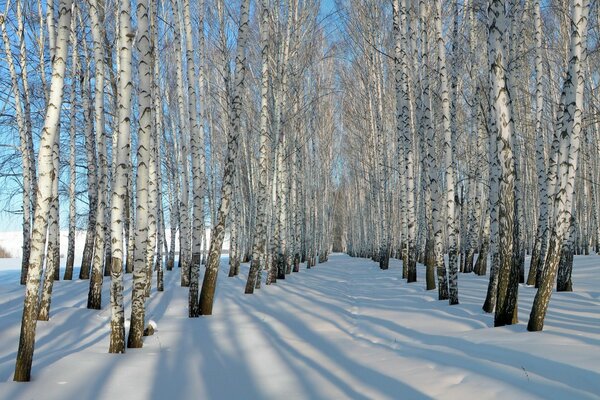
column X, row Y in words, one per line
column 343, row 330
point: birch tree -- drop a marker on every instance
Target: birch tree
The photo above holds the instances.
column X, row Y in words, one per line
column 75, row 72
column 92, row 174
column 260, row 240
column 501, row 115
column 23, row 117
column 540, row 151
column 405, row 127
column 43, row 196
column 570, row 137
column 197, row 148
column 95, row 291
column 144, row 48
column 218, row 232
column 448, row 158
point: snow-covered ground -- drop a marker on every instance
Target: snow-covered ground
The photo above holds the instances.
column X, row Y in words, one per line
column 343, row 330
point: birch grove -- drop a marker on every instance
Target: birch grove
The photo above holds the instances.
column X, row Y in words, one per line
column 441, row 137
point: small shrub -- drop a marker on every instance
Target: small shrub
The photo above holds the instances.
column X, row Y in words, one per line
column 4, row 253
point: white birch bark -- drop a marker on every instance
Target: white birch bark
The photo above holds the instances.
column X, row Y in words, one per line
column 197, row 149
column 405, row 129
column 43, row 197
column 95, row 292
column 27, row 159
column 540, row 151
column 157, row 193
column 184, row 212
column 448, row 159
column 151, row 246
column 30, row 179
column 259, row 247
column 41, row 45
column 75, row 72
column 121, row 139
column 53, row 245
column 218, row 231
column 174, row 193
column 144, row 48
column 92, row 174
column 568, row 154
column 501, row 114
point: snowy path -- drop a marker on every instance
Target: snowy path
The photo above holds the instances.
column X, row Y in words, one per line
column 344, row 329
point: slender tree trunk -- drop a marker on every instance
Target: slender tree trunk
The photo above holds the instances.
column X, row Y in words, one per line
column 490, row 301
column 156, row 157
column 197, row 148
column 184, row 214
column 434, row 184
column 24, row 126
column 43, row 196
column 92, row 174
column 121, row 177
column 501, row 116
column 405, row 126
column 144, row 48
column 573, row 88
column 259, row 246
column 75, row 71
column 53, row 251
column 448, row 159
column 95, row 292
column 218, row 232
column 540, row 152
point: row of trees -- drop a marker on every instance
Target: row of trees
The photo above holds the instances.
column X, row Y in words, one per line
column 471, row 133
column 398, row 138
column 229, row 110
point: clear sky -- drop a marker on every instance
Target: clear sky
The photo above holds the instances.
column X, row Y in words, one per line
column 327, row 6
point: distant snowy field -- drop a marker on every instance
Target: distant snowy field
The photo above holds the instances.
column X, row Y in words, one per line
column 13, row 242
column 343, row 330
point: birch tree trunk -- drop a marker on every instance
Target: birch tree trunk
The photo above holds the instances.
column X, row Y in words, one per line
column 156, row 157
column 121, row 178
column 481, row 265
column 448, row 159
column 436, row 261
column 25, row 134
column 43, row 197
column 174, row 203
column 75, row 72
column 144, row 48
column 218, row 232
column 540, row 151
column 152, row 199
column 52, row 249
column 492, row 291
column 184, row 214
column 197, row 147
column 501, row 116
column 573, row 88
column 405, row 129
column 92, row 174
column 28, row 154
column 95, row 292
column 259, row 246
